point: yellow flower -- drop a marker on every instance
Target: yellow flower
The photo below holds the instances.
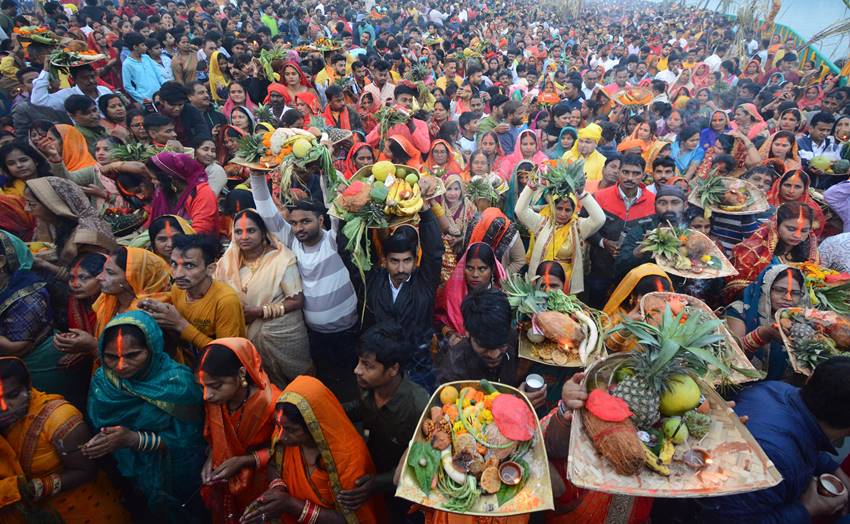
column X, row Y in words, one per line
column 706, row 258
column 485, row 416
column 458, row 428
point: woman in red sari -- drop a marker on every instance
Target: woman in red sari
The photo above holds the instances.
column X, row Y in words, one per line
column 787, row 238
column 239, row 402
column 108, row 69
column 793, row 186
column 295, row 81
column 441, row 160
column 317, row 455
column 367, row 106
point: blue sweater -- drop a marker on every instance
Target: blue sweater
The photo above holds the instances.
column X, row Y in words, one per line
column 142, row 78
column 790, row 436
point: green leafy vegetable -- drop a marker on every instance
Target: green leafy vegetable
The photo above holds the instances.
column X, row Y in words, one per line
column 425, row 461
column 506, row 493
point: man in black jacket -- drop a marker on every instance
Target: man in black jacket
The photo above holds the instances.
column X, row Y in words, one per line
column 402, row 292
column 172, row 101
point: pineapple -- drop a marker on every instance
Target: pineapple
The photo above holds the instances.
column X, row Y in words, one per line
column 263, row 113
column 677, row 345
column 801, row 330
column 664, row 245
column 810, row 352
column 418, row 72
column 251, row 148
column 133, row 152
column 711, row 191
column 479, row 187
column 566, row 178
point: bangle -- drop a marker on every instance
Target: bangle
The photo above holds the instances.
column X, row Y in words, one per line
column 303, row 510
column 310, row 513
column 315, row 516
column 37, row 488
column 277, row 483
column 438, row 210
column 53, row 485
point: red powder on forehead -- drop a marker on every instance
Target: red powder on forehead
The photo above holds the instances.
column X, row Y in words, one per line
column 547, row 281
column 201, row 373
column 168, row 232
column 238, row 206
column 119, row 342
column 3, row 405
column 801, row 218
column 243, row 223
column 795, row 178
column 789, row 283
column 75, row 273
column 659, row 285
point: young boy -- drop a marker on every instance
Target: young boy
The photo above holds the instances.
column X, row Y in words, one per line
column 468, row 123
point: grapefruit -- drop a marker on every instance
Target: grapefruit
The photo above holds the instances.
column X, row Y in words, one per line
column 381, row 170
column 682, row 394
column 301, row 148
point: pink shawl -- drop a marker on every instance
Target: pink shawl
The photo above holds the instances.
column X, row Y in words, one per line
column 509, row 162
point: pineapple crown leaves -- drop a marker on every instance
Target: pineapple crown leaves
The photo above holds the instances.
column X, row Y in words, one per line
column 263, row 113
column 479, row 187
column 251, row 148
column 710, row 189
column 133, row 152
column 662, row 241
column 679, row 338
column 524, row 297
column 564, row 178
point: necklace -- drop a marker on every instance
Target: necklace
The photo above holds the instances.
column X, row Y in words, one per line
column 241, row 405
column 252, row 266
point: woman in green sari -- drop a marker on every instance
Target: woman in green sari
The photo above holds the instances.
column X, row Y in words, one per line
column 148, row 411
column 26, row 325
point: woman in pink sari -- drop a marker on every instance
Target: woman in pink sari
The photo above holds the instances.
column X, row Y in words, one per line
column 527, row 149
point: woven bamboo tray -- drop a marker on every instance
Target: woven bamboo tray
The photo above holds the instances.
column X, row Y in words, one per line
column 738, row 464
column 789, row 346
column 439, row 186
column 739, row 358
column 758, row 205
column 532, row 351
column 726, row 269
column 536, row 495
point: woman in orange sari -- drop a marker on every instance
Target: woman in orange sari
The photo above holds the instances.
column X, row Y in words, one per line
column 44, row 432
column 318, row 454
column 625, row 301
column 400, row 150
column 780, row 151
column 441, row 160
column 239, row 402
column 793, row 186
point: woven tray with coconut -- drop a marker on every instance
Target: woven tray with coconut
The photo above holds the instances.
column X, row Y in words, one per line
column 265, row 152
column 555, row 328
column 686, row 253
column 726, row 349
column 634, row 96
column 731, row 196
column 653, row 427
column 812, row 336
column 478, row 450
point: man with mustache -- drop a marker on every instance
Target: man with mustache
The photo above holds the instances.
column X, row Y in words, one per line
column 201, row 309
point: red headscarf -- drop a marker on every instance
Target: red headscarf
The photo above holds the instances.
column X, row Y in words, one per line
column 280, row 89
column 415, row 156
column 807, row 103
column 14, row 217
column 350, row 169
column 774, row 197
column 304, row 81
column 451, row 167
column 312, row 102
column 220, row 150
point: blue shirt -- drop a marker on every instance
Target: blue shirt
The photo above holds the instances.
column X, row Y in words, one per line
column 142, row 78
column 792, row 438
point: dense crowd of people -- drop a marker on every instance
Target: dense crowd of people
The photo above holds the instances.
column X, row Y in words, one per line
column 181, row 344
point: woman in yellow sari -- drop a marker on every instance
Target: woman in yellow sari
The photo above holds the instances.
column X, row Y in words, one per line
column 264, row 273
column 44, row 432
column 557, row 231
column 625, row 300
column 317, row 454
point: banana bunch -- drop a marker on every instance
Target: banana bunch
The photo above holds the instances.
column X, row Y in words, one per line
column 654, row 462
column 404, row 199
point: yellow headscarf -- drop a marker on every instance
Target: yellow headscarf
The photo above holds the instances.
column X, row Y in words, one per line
column 561, row 244
column 217, row 78
column 627, row 286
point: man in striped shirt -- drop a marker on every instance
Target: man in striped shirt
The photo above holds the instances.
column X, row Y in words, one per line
column 330, row 302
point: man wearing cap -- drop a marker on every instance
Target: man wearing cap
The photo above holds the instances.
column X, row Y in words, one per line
column 585, row 149
column 188, row 121
column 670, row 205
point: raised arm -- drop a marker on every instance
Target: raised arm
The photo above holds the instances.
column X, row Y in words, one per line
column 525, row 214
column 595, row 216
column 277, row 225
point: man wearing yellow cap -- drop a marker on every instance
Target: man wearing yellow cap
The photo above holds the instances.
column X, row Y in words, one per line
column 585, row 149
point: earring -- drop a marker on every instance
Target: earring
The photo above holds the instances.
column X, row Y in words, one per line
column 244, row 382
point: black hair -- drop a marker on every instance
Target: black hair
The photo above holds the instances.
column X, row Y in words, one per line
column 729, row 160
column 827, row 392
column 308, row 205
column 822, row 117
column 237, row 200
column 791, row 211
column 290, row 117
column 487, row 317
column 399, row 155
column 199, row 140
column 92, row 263
column 257, row 219
column 483, row 252
column 132, row 39
column 767, row 170
column 687, row 132
column 650, row 284
column 42, row 168
column 388, row 342
column 208, row 246
column 290, row 411
column 403, row 240
column 332, row 91
column 158, row 225
column 103, row 102
column 404, row 89
column 664, row 161
column 78, row 70
column 15, row 368
column 220, row 361
column 552, row 268
column 78, row 104
column 173, row 92
column 466, row 118
column 727, row 142
column 155, row 121
column 633, row 159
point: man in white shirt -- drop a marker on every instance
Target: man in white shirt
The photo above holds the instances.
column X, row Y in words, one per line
column 714, row 60
column 85, row 83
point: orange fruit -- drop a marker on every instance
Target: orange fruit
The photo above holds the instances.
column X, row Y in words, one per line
column 448, row 395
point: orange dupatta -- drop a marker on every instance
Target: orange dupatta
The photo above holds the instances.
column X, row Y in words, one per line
column 149, row 277
column 10, row 472
column 234, row 434
column 75, row 150
column 344, row 456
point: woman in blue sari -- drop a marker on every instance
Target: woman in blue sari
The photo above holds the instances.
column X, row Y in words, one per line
column 751, row 320
column 148, row 411
column 26, row 325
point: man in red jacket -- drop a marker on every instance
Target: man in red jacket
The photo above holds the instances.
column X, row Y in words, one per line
column 626, row 204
